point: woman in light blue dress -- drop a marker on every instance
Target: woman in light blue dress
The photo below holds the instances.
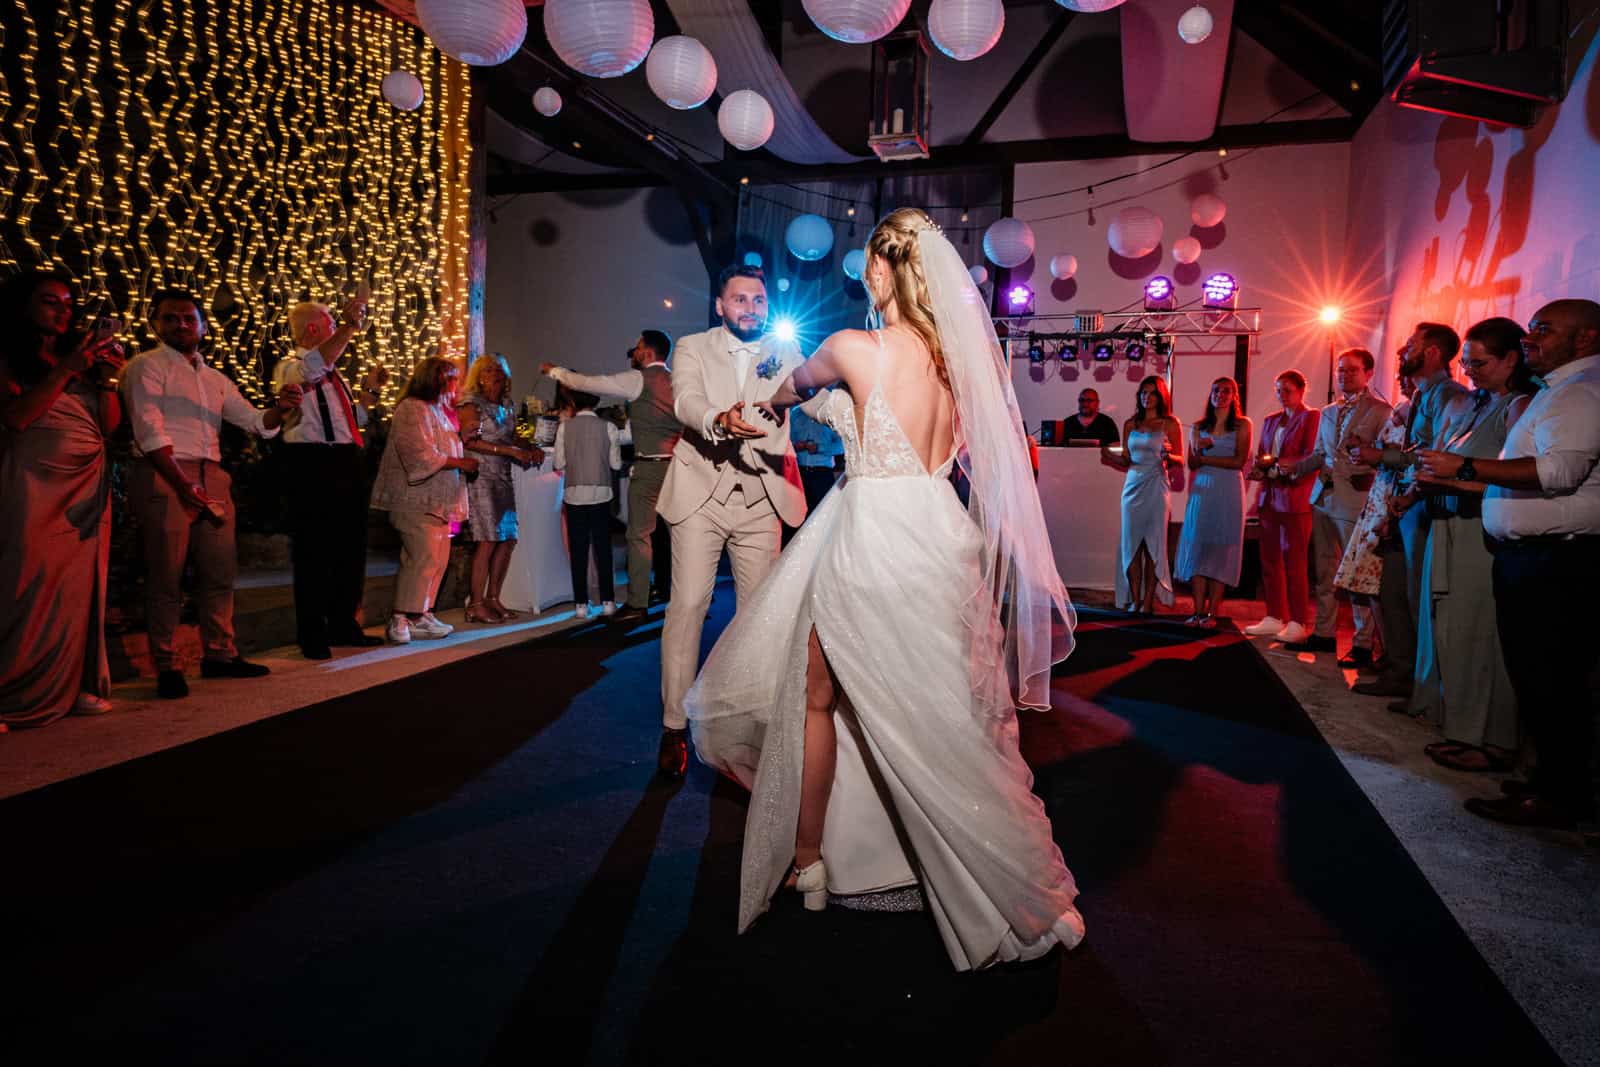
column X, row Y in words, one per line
column 1211, row 547
column 1150, row 440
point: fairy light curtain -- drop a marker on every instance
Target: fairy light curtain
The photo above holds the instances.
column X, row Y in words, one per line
column 241, row 148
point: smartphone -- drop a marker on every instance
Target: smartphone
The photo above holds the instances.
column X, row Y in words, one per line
column 105, row 328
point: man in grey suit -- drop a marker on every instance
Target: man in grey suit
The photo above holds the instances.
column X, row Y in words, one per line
column 1337, row 500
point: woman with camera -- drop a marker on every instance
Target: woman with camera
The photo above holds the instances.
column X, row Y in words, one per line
column 58, row 405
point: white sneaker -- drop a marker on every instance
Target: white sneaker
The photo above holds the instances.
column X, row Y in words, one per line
column 1293, row 633
column 398, row 631
column 1267, row 627
column 582, row 611
column 430, row 628
column 90, row 704
column 608, row 608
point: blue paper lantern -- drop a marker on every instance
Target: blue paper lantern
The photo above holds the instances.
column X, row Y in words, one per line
column 809, row 238
column 855, row 264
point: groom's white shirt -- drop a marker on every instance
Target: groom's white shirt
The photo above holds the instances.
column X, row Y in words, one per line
column 711, row 372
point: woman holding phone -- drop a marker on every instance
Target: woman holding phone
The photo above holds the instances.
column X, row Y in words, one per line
column 58, row 405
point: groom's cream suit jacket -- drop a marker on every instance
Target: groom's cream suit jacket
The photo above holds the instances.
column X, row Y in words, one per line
column 705, row 465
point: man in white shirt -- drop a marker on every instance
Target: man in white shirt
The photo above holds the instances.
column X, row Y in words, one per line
column 176, row 404
column 587, row 450
column 326, row 480
column 646, row 387
column 1541, row 517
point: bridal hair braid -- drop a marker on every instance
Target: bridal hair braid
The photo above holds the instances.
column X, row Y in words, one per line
column 895, row 239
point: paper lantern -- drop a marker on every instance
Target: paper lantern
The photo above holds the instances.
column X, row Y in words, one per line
column 855, row 264
column 480, row 33
column 1008, row 242
column 1186, row 249
column 745, row 119
column 1195, row 25
column 600, row 38
column 547, row 102
column 966, row 29
column 1089, row 6
column 681, row 72
column 402, row 89
column 1135, row 232
column 1207, row 210
column 1063, row 267
column 809, row 237
column 752, row 259
column 856, row 21
column 979, row 272
column 783, row 285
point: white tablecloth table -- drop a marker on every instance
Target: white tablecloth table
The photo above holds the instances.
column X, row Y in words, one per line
column 540, row 574
column 1082, row 502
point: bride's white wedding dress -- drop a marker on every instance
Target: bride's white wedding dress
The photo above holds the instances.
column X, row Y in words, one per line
column 929, row 789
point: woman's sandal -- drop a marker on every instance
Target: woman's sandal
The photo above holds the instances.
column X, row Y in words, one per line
column 477, row 611
column 505, row 613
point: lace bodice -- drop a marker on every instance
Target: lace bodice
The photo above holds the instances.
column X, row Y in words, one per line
column 880, row 449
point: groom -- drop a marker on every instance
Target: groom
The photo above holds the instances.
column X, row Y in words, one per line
column 732, row 478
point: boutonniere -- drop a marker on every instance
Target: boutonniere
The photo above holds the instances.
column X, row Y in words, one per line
column 769, row 367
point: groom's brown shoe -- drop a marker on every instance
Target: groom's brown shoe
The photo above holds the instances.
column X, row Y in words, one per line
column 673, row 759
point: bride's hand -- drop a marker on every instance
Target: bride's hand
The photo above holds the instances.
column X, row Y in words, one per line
column 768, row 411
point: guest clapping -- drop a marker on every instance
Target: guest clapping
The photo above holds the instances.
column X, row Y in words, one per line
column 1152, row 438
column 489, row 431
column 58, row 403
column 422, row 485
column 1284, row 509
column 1211, row 547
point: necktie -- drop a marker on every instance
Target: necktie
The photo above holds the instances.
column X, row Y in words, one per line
column 343, row 395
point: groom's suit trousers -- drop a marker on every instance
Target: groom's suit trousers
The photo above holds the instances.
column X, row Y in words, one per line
column 751, row 536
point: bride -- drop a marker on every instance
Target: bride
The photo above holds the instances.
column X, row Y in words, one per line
column 864, row 694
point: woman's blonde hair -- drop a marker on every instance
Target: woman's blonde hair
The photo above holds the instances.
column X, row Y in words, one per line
column 895, row 239
column 470, row 386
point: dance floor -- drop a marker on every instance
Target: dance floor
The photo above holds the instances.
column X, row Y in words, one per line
column 473, row 865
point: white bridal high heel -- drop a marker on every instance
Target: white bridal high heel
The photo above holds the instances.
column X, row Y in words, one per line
column 812, row 883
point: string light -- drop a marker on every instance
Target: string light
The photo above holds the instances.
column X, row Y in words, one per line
column 271, row 171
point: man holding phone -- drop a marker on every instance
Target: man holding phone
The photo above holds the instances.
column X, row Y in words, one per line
column 176, row 404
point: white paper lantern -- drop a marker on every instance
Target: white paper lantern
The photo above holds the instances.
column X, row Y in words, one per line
column 547, row 102
column 1135, row 232
column 1090, row 6
column 745, row 119
column 681, row 72
column 1207, row 210
column 1195, row 25
column 1008, row 242
column 979, row 272
column 809, row 237
column 1186, row 250
column 856, row 21
column 402, row 89
column 752, row 259
column 1063, row 267
column 480, row 33
column 966, row 29
column 855, row 263
column 600, row 38
column 783, row 285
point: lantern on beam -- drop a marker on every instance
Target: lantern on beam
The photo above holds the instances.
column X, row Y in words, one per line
column 898, row 128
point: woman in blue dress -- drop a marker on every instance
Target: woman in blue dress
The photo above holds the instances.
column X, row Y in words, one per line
column 1212, row 543
column 1151, row 439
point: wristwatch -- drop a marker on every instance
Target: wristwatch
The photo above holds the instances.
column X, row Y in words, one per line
column 1467, row 472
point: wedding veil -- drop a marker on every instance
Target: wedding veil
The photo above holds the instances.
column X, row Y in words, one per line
column 1020, row 582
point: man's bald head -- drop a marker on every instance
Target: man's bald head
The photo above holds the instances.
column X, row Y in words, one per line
column 1560, row 332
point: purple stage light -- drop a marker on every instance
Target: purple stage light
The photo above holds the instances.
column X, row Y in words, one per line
column 1019, row 299
column 1220, row 290
column 1160, row 294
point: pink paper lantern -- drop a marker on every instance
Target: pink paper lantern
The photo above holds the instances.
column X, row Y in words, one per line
column 1186, row 250
column 1135, row 232
column 1207, row 210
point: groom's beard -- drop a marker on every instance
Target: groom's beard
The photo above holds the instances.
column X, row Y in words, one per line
column 744, row 334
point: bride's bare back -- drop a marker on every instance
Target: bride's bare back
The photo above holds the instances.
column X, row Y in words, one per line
column 921, row 403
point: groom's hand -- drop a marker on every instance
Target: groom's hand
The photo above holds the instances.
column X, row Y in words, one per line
column 731, row 423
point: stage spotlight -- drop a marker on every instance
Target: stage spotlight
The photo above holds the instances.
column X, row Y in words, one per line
column 783, row 329
column 1134, row 351
column 1160, row 294
column 1035, row 352
column 1103, row 352
column 1329, row 316
column 1163, row 346
column 1220, row 291
column 1019, row 299
column 1069, row 348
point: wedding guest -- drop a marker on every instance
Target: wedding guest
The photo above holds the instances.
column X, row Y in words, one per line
column 58, row 404
column 1467, row 691
column 646, row 388
column 1151, row 438
column 489, row 430
column 1541, row 513
column 819, row 450
column 422, row 485
column 1337, row 497
column 1284, row 507
column 326, row 481
column 369, row 397
column 1211, row 547
column 178, row 490
column 1373, row 565
column 588, row 449
column 1089, row 424
column 1425, row 357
